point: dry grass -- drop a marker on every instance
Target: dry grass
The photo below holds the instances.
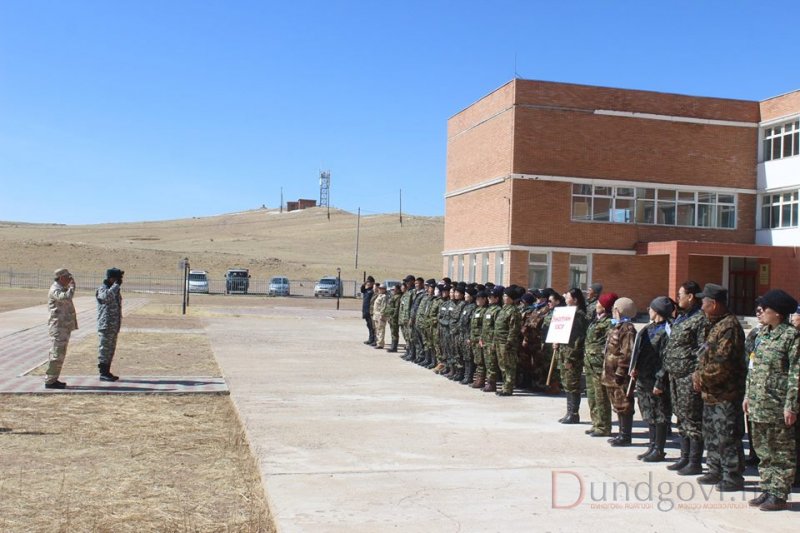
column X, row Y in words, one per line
column 301, row 245
column 127, row 463
column 11, row 299
column 145, row 354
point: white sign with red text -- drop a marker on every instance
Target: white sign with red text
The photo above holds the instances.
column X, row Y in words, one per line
column 561, row 325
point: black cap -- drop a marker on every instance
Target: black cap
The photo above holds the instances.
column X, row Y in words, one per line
column 461, row 287
column 370, row 278
column 444, row 287
column 597, row 287
column 779, row 301
column 497, row 291
column 480, row 287
column 528, row 298
column 481, row 294
column 431, row 282
column 472, row 291
column 510, row 292
column 715, row 292
column 114, row 273
column 537, row 293
column 663, row 306
column 409, row 278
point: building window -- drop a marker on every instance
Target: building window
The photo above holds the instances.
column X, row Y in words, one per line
column 485, row 267
column 460, row 276
column 499, row 260
column 473, row 267
column 449, row 266
column 538, row 270
column 779, row 210
column 579, row 271
column 643, row 205
column 782, row 140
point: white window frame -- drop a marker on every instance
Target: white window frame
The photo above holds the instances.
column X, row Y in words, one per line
column 460, row 269
column 588, row 270
column 785, row 135
column 473, row 267
column 485, row 267
column 782, row 202
column 450, row 266
column 547, row 264
column 499, row 267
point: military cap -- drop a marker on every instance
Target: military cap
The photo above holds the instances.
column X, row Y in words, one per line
column 715, row 292
column 510, row 292
column 431, row 282
column 61, row 272
column 528, row 298
column 497, row 291
column 597, row 287
column 489, row 285
column 663, row 306
column 461, row 287
column 114, row 273
column 480, row 287
column 444, row 287
column 370, row 278
column 408, row 278
column 779, row 301
column 472, row 291
column 536, row 293
column 447, row 280
column 481, row 294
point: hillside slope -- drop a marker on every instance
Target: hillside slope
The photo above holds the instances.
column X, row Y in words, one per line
column 300, row 245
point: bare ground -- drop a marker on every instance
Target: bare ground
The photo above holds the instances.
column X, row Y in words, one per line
column 11, row 299
column 127, row 463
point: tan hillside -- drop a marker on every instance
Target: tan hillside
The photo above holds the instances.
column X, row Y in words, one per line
column 300, row 245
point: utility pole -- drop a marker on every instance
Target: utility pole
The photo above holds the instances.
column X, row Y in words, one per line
column 401, row 207
column 358, row 231
column 281, row 199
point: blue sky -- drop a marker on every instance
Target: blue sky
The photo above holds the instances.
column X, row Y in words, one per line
column 113, row 111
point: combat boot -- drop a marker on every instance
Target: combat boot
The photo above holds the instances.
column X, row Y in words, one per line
column 469, row 372
column 625, row 426
column 651, row 433
column 694, row 466
column 393, row 347
column 448, row 371
column 458, row 376
column 569, row 410
column 684, row 460
column 491, row 386
column 657, row 454
column 574, row 416
column 479, row 381
column 105, row 372
column 438, row 367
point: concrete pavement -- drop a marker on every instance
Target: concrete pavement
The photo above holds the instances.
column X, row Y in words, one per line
column 350, row 438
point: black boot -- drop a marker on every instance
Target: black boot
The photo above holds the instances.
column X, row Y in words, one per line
column 393, row 348
column 651, row 431
column 684, row 460
column 695, row 464
column 625, row 426
column 574, row 416
column 469, row 373
column 105, row 372
column 568, row 414
column 657, row 455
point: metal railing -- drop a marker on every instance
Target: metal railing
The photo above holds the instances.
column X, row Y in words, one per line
column 88, row 281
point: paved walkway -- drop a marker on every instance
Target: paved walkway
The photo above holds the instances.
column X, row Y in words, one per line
column 24, row 344
column 352, row 439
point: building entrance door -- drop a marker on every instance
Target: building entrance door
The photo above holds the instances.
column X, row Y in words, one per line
column 742, row 277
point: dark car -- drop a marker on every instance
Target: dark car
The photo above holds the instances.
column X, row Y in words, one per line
column 237, row 281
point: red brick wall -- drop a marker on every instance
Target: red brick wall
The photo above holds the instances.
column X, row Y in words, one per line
column 542, row 213
column 568, row 143
column 704, row 269
column 780, row 106
column 640, row 278
column 567, row 95
column 479, row 140
column 477, row 219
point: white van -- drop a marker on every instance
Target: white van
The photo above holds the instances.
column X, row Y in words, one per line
column 198, row 281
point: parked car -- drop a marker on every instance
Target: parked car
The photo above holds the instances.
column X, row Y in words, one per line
column 198, row 281
column 390, row 284
column 237, row 281
column 278, row 286
column 328, row 286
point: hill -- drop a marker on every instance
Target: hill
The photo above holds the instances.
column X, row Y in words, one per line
column 300, row 245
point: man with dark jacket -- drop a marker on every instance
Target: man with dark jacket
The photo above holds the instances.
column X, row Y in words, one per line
column 366, row 311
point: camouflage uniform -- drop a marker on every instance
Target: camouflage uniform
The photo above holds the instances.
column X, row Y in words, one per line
column 415, row 328
column 594, row 348
column 591, row 309
column 680, row 361
column 420, row 324
column 475, row 330
column 487, row 341
column 390, row 314
column 648, row 362
column 772, row 385
column 404, row 316
column 456, row 334
column 433, row 329
column 506, row 343
column 570, row 356
column 109, row 320
column 721, row 374
column 617, row 359
column 62, row 322
column 378, row 307
column 525, row 354
column 465, row 350
column 446, row 331
column 533, row 344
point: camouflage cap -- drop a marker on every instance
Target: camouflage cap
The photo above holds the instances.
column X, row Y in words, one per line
column 61, row 272
column 715, row 292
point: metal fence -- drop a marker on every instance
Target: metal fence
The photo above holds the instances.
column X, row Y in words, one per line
column 86, row 281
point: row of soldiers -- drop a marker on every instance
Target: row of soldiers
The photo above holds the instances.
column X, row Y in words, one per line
column 690, row 360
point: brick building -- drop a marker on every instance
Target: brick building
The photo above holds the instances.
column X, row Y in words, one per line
column 554, row 184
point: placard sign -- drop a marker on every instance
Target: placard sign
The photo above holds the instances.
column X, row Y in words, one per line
column 561, row 325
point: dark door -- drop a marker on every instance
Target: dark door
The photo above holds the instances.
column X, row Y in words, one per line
column 742, row 290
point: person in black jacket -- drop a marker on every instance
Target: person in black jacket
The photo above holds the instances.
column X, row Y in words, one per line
column 366, row 312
